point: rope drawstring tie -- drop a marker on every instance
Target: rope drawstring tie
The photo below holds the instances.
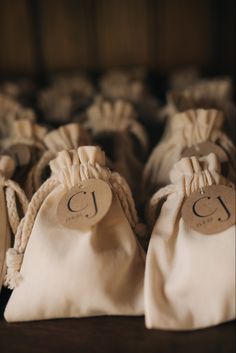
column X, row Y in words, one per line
column 15, row 254
column 13, row 190
column 13, row 261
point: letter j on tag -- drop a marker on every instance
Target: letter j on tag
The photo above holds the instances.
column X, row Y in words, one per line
column 210, row 210
column 85, row 205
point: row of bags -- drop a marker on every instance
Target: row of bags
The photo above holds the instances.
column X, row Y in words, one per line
column 66, row 96
column 186, row 280
column 116, row 242
column 114, row 126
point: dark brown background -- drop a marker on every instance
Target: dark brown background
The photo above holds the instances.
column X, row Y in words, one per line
column 51, row 35
column 40, row 36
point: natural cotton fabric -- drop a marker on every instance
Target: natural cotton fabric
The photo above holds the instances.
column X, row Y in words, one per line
column 214, row 93
column 66, row 137
column 25, row 132
column 66, row 94
column 59, row 272
column 117, row 120
column 189, row 276
column 186, row 130
column 11, row 111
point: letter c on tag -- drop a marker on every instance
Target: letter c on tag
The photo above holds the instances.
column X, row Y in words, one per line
column 198, row 214
column 211, row 213
column 70, row 200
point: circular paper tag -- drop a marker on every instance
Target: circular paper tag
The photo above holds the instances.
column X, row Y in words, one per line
column 85, row 205
column 20, row 153
column 203, row 149
column 210, row 210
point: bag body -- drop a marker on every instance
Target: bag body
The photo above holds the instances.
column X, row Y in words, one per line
column 70, row 272
column 189, row 276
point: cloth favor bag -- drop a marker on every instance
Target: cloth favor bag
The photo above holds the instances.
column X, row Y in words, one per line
column 124, row 84
column 25, row 144
column 11, row 111
column 183, row 78
column 214, row 93
column 58, row 272
column 114, row 127
column 25, row 132
column 187, row 129
column 66, row 95
column 9, row 214
column 131, row 86
column 66, row 137
column 189, row 276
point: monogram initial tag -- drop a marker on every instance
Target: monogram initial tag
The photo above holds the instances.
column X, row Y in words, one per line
column 210, row 210
column 203, row 149
column 85, row 205
column 20, row 153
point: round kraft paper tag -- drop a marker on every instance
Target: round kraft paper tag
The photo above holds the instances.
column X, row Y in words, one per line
column 20, row 153
column 210, row 210
column 203, row 149
column 85, row 205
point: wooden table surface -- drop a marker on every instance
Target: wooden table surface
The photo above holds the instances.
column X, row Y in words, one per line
column 111, row 335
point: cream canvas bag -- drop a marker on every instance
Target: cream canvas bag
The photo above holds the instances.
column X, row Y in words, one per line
column 189, row 276
column 186, row 130
column 131, row 86
column 28, row 134
column 60, row 272
column 65, row 95
column 214, row 93
column 10, row 111
column 116, row 122
column 207, row 94
column 124, row 84
column 66, row 137
column 10, row 193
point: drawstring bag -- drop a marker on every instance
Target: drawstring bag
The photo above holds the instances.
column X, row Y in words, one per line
column 183, row 78
column 114, row 127
column 66, row 94
column 205, row 94
column 24, row 135
column 130, row 85
column 190, row 266
column 25, row 145
column 75, row 252
column 185, row 136
column 11, row 111
column 21, row 90
column 66, row 137
column 10, row 193
column 124, row 84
